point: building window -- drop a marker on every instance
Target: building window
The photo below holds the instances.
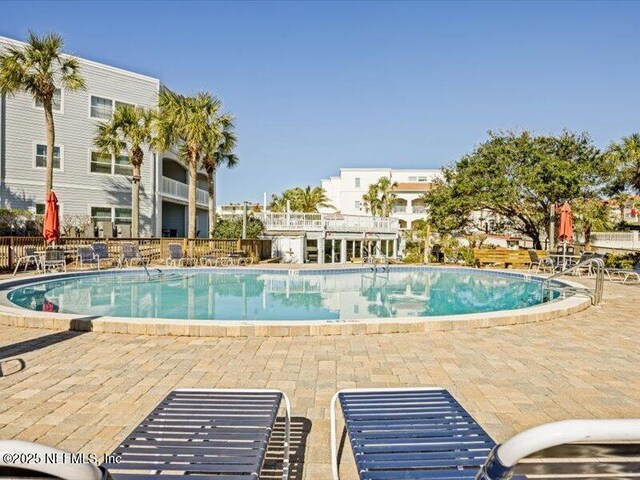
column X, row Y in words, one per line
column 357, row 182
column 110, row 165
column 57, row 101
column 117, row 215
column 357, row 205
column 423, row 179
column 123, row 104
column 101, row 108
column 41, row 156
column 413, row 179
column 40, row 208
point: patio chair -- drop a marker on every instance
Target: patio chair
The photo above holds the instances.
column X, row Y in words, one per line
column 623, row 275
column 424, row 433
column 176, row 256
column 29, row 256
column 192, row 433
column 131, row 255
column 86, row 256
column 54, row 259
column 102, row 253
column 539, row 263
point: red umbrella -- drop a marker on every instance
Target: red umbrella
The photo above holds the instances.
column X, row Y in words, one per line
column 566, row 223
column 51, row 225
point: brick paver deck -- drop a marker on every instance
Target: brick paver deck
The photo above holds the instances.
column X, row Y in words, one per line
column 85, row 392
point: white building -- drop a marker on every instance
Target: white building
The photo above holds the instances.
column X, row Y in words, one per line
column 345, row 191
column 86, row 184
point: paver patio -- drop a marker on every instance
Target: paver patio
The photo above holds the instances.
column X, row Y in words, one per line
column 85, row 392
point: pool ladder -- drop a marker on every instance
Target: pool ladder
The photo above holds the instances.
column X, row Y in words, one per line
column 595, row 264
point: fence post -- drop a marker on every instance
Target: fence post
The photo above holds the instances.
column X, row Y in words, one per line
column 238, row 245
column 10, row 257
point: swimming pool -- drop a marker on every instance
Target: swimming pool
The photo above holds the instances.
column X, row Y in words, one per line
column 281, row 295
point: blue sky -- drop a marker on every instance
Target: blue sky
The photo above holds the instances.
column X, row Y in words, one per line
column 316, row 86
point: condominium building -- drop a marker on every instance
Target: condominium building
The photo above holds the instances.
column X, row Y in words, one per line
column 345, row 191
column 86, row 183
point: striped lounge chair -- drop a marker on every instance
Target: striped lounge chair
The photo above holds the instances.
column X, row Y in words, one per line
column 193, row 433
column 425, row 434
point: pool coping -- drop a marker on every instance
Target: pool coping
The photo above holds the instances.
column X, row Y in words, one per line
column 11, row 315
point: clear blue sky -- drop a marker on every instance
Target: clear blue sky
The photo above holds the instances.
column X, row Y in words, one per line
column 319, row 86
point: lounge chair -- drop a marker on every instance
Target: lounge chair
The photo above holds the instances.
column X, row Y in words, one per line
column 176, row 256
column 539, row 263
column 623, row 275
column 131, row 255
column 102, row 253
column 209, row 433
column 54, row 259
column 29, row 256
column 86, row 256
column 424, row 433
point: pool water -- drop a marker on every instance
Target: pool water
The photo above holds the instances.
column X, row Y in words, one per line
column 246, row 295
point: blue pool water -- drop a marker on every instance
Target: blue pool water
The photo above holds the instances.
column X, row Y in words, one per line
column 246, row 295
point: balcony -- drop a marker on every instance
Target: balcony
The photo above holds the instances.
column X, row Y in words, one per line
column 308, row 222
column 180, row 191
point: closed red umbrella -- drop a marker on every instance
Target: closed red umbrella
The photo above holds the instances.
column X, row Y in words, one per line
column 51, row 224
column 565, row 234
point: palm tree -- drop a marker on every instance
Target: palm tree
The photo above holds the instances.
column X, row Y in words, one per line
column 128, row 130
column 278, row 203
column 591, row 214
column 309, row 200
column 387, row 196
column 371, row 199
column 626, row 154
column 187, row 120
column 218, row 152
column 39, row 68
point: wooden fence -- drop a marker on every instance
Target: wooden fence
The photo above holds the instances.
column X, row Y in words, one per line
column 155, row 249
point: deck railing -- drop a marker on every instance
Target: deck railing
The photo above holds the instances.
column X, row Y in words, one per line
column 180, row 190
column 294, row 221
column 155, row 249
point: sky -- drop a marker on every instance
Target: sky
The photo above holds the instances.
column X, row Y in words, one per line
column 316, row 86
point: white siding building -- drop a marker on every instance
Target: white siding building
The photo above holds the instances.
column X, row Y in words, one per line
column 345, row 191
column 86, row 184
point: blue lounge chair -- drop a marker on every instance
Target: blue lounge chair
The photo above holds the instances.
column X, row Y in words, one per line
column 193, row 433
column 424, row 433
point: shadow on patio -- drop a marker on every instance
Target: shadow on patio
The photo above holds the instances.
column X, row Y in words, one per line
column 272, row 469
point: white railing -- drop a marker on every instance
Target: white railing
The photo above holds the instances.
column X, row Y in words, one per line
column 331, row 222
column 180, row 190
column 621, row 240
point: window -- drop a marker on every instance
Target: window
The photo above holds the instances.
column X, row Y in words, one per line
column 117, row 215
column 110, row 165
column 413, row 179
column 40, row 208
column 101, row 108
column 41, row 156
column 357, row 205
column 57, row 101
column 123, row 104
column 357, row 182
column 423, row 179
column 122, row 216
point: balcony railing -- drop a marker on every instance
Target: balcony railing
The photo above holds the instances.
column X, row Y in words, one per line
column 331, row 222
column 180, row 190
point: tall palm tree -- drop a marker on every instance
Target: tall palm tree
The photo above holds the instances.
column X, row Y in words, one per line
column 309, row 200
column 128, row 130
column 387, row 196
column 278, row 203
column 218, row 152
column 591, row 214
column 627, row 154
column 188, row 121
column 39, row 68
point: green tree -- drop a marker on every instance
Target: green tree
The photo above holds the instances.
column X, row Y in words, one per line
column 218, row 152
column 128, row 130
column 232, row 228
column 517, row 177
column 187, row 121
column 380, row 197
column 626, row 157
column 39, row 68
column 591, row 214
column 307, row 200
column 278, row 203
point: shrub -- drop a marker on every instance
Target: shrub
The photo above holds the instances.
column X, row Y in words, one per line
column 232, row 228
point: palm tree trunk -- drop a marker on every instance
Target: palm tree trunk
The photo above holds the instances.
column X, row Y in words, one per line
column 212, row 202
column 135, row 202
column 51, row 141
column 193, row 182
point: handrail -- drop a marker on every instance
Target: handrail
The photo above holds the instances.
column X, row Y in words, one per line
column 596, row 298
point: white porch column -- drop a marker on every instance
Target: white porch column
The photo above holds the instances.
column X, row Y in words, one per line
column 395, row 247
column 343, row 251
column 321, row 249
